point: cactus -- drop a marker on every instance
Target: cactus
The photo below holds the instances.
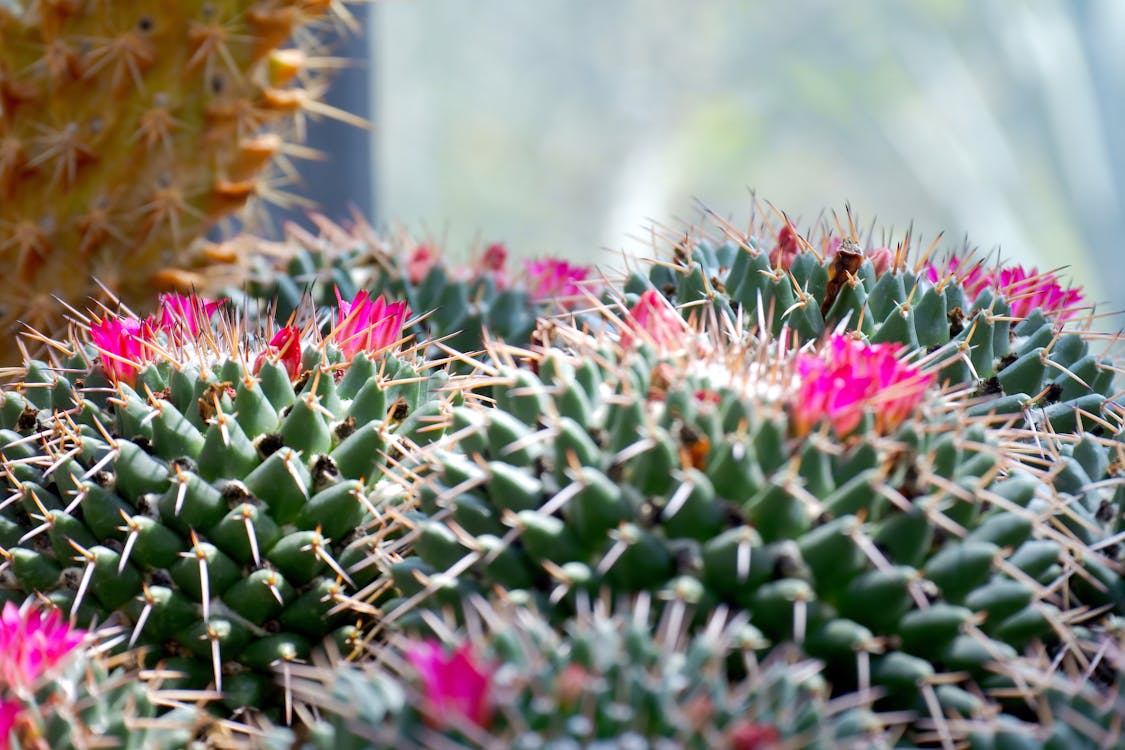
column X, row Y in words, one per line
column 601, row 680
column 837, row 494
column 1000, row 329
column 774, row 493
column 463, row 302
column 201, row 487
column 59, row 690
column 128, row 129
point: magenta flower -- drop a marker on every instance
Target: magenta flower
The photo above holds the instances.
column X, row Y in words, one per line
column 366, row 325
column 1027, row 290
column 494, row 263
column 882, row 259
column 554, row 280
column 848, row 376
column 31, row 644
column 1024, row 290
column 124, row 345
column 421, row 261
column 787, row 248
column 285, row 346
column 749, row 735
column 9, row 715
column 182, row 317
column 454, row 683
column 653, row 318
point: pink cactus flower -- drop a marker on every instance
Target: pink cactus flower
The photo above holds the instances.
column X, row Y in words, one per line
column 495, row 257
column 455, row 684
column 9, row 714
column 750, row 735
column 1027, row 290
column 366, row 325
column 848, row 376
column 654, row 319
column 494, row 263
column 1023, row 289
column 285, row 346
column 182, row 317
column 31, row 644
column 554, row 280
column 882, row 259
column 787, row 248
column 124, row 345
column 421, row 261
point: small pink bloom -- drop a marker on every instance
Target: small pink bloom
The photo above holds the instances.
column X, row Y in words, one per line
column 554, row 280
column 494, row 264
column 31, row 644
column 421, row 261
column 749, row 735
column 182, row 317
column 1024, row 290
column 706, row 396
column 285, row 346
column 848, row 376
column 831, row 246
column 124, row 346
column 454, row 683
column 787, row 248
column 495, row 257
column 9, row 713
column 882, row 258
column 653, row 318
column 366, row 325
column 1027, row 290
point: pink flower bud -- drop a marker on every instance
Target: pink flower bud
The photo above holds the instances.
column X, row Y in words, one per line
column 124, row 345
column 285, row 346
column 554, row 280
column 846, row 377
column 31, row 644
column 366, row 325
column 455, row 684
column 655, row 320
column 421, row 261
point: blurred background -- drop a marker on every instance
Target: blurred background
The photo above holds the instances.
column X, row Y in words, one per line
column 570, row 127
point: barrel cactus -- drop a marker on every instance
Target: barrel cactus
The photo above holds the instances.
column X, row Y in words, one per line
column 202, row 487
column 489, row 297
column 1001, row 328
column 601, row 680
column 920, row 520
column 907, row 530
column 58, row 689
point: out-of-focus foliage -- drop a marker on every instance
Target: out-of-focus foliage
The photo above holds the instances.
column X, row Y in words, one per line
column 565, row 125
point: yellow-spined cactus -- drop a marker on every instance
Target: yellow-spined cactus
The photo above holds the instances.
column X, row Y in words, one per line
column 128, row 128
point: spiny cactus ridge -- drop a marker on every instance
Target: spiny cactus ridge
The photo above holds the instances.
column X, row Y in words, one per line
column 886, row 487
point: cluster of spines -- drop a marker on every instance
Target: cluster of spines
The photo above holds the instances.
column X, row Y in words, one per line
column 626, row 486
column 217, row 512
column 127, row 130
column 998, row 328
column 907, row 535
column 601, row 680
column 467, row 304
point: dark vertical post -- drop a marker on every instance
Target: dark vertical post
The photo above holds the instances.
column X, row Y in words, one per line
column 342, row 180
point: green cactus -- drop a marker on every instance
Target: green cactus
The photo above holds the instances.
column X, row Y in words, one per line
column 101, row 702
column 597, row 681
column 463, row 302
column 999, row 328
column 908, row 546
column 207, row 498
